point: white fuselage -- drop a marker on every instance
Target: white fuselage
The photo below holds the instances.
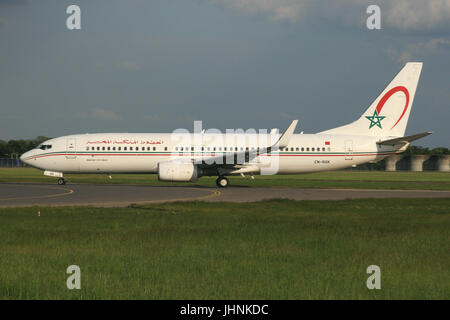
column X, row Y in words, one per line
column 141, row 153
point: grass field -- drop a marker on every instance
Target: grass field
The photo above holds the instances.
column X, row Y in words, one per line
column 430, row 180
column 278, row 249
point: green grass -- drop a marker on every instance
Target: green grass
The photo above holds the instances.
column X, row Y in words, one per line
column 335, row 179
column 278, row 249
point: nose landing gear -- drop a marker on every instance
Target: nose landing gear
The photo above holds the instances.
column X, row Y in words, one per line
column 222, row 182
column 61, row 181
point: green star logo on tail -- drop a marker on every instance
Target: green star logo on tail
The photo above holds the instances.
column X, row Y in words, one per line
column 375, row 120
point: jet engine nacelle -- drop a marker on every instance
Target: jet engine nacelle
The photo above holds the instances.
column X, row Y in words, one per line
column 177, row 171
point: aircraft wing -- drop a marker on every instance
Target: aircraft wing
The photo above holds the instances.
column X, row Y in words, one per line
column 244, row 160
column 404, row 140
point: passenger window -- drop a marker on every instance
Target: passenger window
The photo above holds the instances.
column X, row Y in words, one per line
column 303, row 149
column 93, row 148
column 312, row 149
column 109, row 148
column 323, row 149
column 125, row 148
column 119, row 148
column 103, row 148
column 307, row 149
column 292, row 149
column 165, row 148
column 98, row 148
column 87, row 148
column 154, row 148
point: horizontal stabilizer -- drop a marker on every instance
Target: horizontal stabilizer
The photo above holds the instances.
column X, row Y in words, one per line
column 404, row 140
column 286, row 136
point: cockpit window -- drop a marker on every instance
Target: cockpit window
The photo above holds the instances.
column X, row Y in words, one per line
column 45, row 146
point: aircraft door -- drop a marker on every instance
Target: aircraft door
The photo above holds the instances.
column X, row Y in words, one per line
column 71, row 148
column 349, row 150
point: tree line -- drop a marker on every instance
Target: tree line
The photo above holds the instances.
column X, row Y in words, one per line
column 14, row 148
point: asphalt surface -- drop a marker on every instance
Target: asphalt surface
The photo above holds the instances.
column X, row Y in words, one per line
column 30, row 194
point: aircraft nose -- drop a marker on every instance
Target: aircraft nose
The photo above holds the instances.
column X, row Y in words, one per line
column 24, row 156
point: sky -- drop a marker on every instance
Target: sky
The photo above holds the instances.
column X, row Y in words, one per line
column 158, row 65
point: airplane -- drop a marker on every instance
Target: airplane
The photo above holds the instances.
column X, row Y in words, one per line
column 377, row 134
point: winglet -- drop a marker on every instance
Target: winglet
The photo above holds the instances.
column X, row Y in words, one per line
column 286, row 136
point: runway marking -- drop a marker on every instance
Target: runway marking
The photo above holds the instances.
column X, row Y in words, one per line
column 69, row 191
column 213, row 194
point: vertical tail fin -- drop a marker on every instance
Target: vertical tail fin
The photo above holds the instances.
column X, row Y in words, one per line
column 388, row 114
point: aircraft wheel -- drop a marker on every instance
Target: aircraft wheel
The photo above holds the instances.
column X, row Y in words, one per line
column 61, row 181
column 222, row 182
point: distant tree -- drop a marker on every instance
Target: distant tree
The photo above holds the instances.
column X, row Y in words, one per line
column 440, row 151
column 14, row 148
column 39, row 140
column 3, row 148
column 416, row 150
column 412, row 150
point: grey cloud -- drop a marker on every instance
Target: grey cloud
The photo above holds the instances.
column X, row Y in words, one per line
column 100, row 114
column 276, row 9
column 129, row 65
column 417, row 49
column 399, row 14
column 13, row 2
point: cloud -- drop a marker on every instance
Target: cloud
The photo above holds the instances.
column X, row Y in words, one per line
column 13, row 2
column 418, row 14
column 100, row 114
column 416, row 50
column 285, row 115
column 129, row 65
column 398, row 14
column 152, row 117
column 276, row 9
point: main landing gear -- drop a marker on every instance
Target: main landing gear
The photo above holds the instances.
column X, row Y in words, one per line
column 222, row 182
column 61, row 181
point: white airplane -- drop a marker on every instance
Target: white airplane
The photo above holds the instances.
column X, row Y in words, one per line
column 377, row 134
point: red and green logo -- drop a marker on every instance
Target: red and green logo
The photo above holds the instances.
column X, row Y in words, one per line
column 375, row 119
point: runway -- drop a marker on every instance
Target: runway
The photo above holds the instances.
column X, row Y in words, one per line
column 103, row 195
